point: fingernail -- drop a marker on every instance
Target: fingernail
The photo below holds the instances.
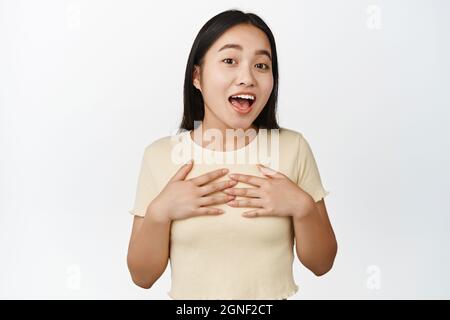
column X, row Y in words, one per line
column 232, row 176
column 224, row 170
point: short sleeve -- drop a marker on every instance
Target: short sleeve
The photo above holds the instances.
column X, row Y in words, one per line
column 308, row 173
column 146, row 188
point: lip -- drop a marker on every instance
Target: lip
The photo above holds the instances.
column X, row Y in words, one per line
column 243, row 92
column 246, row 110
column 246, row 93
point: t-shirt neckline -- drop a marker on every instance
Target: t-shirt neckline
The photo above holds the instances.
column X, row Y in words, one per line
column 202, row 149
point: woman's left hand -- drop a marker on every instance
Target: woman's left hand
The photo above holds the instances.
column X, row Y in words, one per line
column 274, row 195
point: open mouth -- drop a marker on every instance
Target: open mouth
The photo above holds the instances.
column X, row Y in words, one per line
column 242, row 103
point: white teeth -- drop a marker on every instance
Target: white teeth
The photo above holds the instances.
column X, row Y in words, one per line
column 244, row 96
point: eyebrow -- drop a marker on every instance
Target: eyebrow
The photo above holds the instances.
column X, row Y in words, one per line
column 239, row 47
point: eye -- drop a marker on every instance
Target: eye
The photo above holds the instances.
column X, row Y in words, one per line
column 266, row 67
column 227, row 59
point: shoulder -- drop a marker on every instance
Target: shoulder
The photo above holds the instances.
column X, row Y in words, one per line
column 162, row 148
column 294, row 142
column 164, row 143
column 290, row 138
column 157, row 145
column 290, row 135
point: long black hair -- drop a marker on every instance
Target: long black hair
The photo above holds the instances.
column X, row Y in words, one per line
column 194, row 109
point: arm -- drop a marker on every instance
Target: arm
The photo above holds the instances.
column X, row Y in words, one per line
column 315, row 240
column 148, row 251
column 316, row 244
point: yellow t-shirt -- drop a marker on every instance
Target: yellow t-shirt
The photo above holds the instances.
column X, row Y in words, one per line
column 229, row 256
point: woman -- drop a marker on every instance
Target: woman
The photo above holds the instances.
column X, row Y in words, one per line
column 230, row 236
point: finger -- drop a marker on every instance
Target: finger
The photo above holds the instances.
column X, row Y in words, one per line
column 208, row 177
column 269, row 171
column 256, row 181
column 247, row 203
column 206, row 201
column 183, row 171
column 212, row 187
column 255, row 213
column 244, row 192
column 207, row 211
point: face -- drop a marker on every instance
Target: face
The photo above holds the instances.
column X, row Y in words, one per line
column 228, row 71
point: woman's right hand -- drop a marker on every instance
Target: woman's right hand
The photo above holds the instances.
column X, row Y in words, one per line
column 182, row 198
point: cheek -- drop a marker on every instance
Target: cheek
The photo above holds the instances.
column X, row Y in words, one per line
column 266, row 86
column 215, row 85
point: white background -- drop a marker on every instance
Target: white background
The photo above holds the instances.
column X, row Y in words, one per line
column 87, row 85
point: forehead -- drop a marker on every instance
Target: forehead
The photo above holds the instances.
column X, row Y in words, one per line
column 249, row 37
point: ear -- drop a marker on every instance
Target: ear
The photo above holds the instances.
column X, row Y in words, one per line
column 196, row 77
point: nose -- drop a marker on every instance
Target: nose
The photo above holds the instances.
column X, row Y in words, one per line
column 245, row 77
